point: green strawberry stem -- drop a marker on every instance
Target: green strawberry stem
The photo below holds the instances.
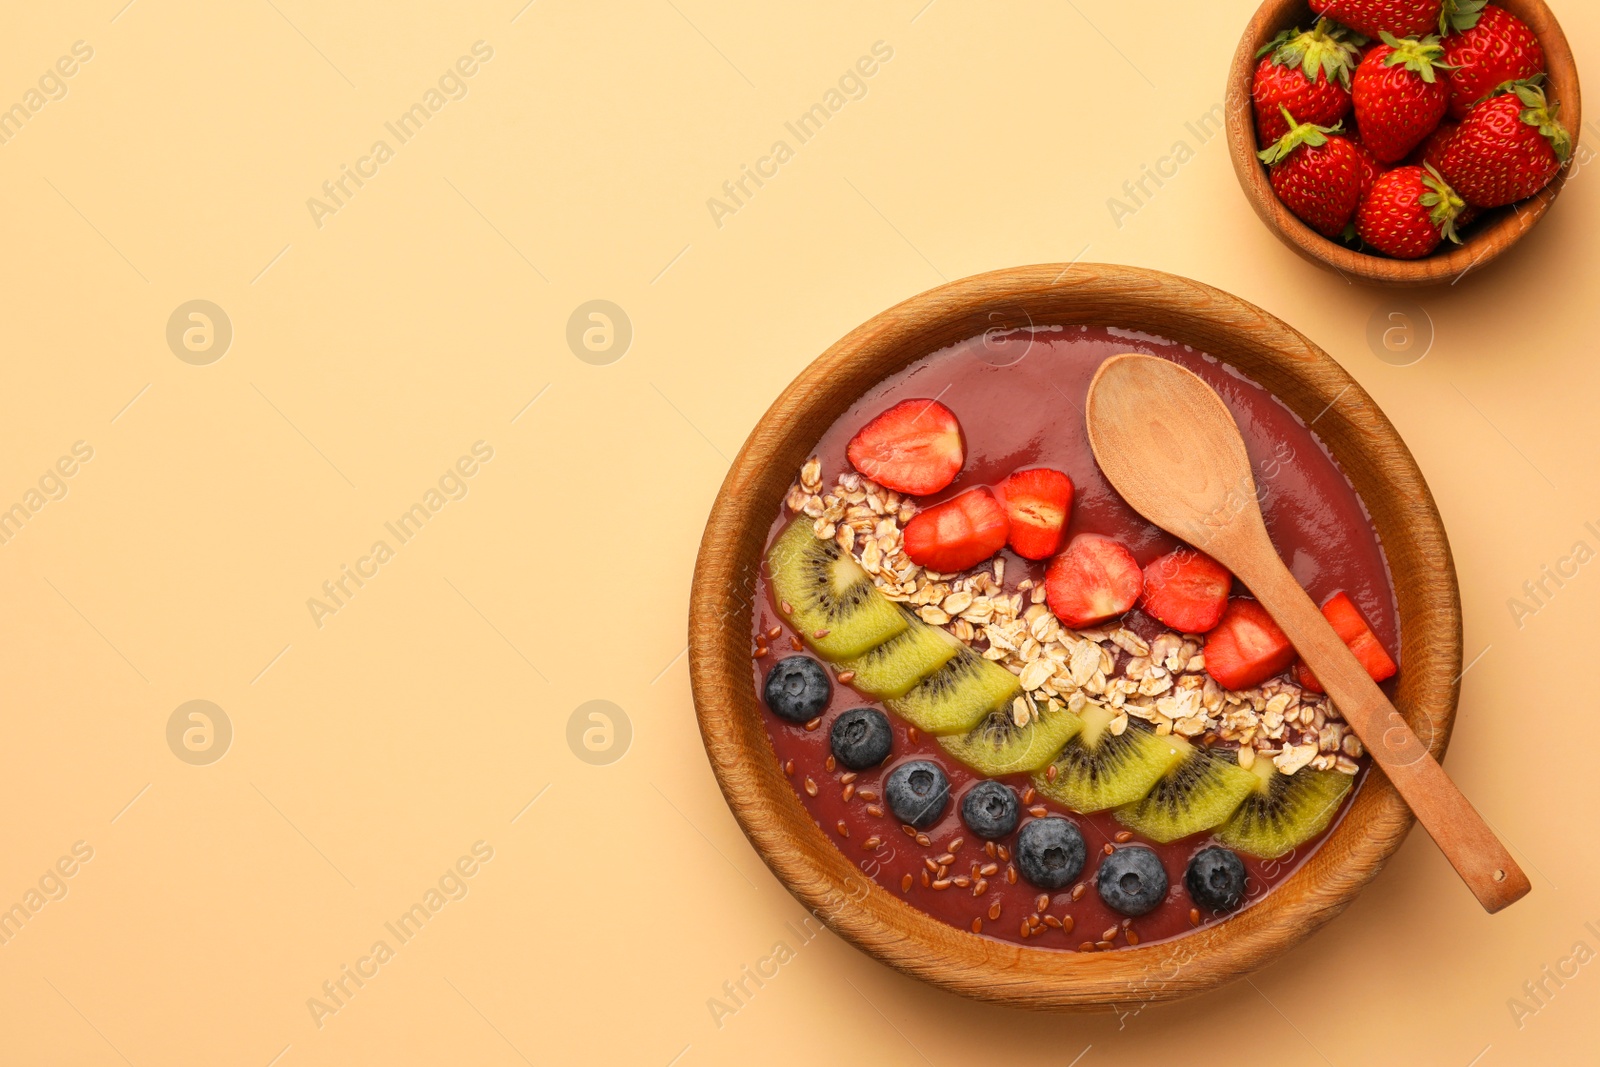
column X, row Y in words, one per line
column 1419, row 55
column 1324, row 49
column 1539, row 112
column 1460, row 15
column 1300, row 133
column 1445, row 202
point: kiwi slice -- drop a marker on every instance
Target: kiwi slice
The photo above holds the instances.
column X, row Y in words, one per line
column 1098, row 769
column 1204, row 789
column 997, row 745
column 891, row 669
column 1284, row 810
column 834, row 605
column 955, row 697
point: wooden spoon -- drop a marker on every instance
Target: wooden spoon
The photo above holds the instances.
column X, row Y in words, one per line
column 1169, row 445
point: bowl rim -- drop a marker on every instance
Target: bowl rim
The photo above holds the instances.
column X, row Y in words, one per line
column 764, row 802
column 1483, row 243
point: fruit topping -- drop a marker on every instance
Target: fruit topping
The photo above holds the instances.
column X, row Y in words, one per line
column 891, row 669
column 1506, row 149
column 1101, row 769
column 915, row 447
column 1204, row 789
column 954, row 698
column 1050, row 851
column 959, row 533
column 830, row 600
column 1187, row 590
column 1308, row 72
column 990, row 810
column 1215, row 878
column 1285, row 810
column 1351, row 626
column 1399, row 96
column 1038, row 502
column 1499, row 48
column 998, row 745
column 797, row 689
column 861, row 738
column 1095, row 579
column 917, row 793
column 1246, row 647
column 1132, row 881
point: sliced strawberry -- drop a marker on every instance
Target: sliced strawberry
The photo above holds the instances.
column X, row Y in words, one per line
column 1246, row 647
column 1038, row 502
column 959, row 533
column 1187, row 590
column 1095, row 579
column 915, row 447
column 1351, row 626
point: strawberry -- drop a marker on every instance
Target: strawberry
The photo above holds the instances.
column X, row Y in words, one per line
column 1371, row 169
column 915, row 447
column 1408, row 212
column 1317, row 174
column 1403, row 18
column 1187, row 590
column 1398, row 96
column 1038, row 502
column 1095, row 579
column 1428, row 151
column 1351, row 626
column 1507, row 148
column 959, row 533
column 1246, row 647
column 1308, row 72
column 1499, row 48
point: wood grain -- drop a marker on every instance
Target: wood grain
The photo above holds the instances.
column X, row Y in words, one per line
column 1170, row 446
column 1483, row 242
column 801, row 855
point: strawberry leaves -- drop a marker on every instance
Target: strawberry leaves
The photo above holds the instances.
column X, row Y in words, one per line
column 1419, row 56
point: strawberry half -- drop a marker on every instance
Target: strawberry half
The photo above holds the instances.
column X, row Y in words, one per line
column 1307, row 72
column 915, row 447
column 1497, row 48
column 1246, row 648
column 959, row 533
column 1187, row 590
column 1506, row 149
column 1318, row 175
column 1351, row 626
column 1095, row 579
column 1398, row 95
column 1038, row 503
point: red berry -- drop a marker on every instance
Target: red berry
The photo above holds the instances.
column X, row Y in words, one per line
column 1318, row 175
column 959, row 533
column 1399, row 97
column 1506, row 149
column 915, row 447
column 1187, row 590
column 1307, row 72
column 1499, row 48
column 1095, row 579
column 1408, row 212
column 1038, row 502
column 1246, row 647
column 1403, row 18
column 1351, row 626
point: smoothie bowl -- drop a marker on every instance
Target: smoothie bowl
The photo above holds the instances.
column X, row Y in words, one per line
column 997, row 730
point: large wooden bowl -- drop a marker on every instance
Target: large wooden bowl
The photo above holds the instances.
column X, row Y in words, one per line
column 875, row 920
column 1482, row 242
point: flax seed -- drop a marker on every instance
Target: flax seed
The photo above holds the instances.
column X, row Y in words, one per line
column 977, row 926
column 819, row 634
column 875, row 811
column 868, row 794
column 1050, row 773
column 1011, row 875
column 1109, row 934
column 922, row 839
column 928, row 863
column 1067, row 924
column 925, row 879
column 955, row 845
column 1133, row 938
column 941, row 883
column 947, row 859
column 994, row 910
column 1052, row 922
column 1035, row 922
column 1042, row 902
column 1108, row 848
column 1024, row 929
column 1005, row 853
column 844, row 831
column 910, row 831
column 774, row 632
column 797, row 644
column 1123, row 837
column 1027, row 796
column 829, row 764
column 871, row 843
column 989, row 868
column 1194, row 916
column 847, row 677
column 905, row 884
column 911, row 734
column 962, row 882
column 811, row 787
column 1087, row 946
column 813, row 724
column 849, row 791
column 788, row 767
column 1077, row 891
column 847, row 777
column 759, row 653
column 1038, row 811
column 785, row 608
column 988, row 849
column 1103, row 945
column 941, row 871
column 981, row 887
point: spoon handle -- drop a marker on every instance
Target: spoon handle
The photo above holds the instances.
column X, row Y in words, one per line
column 1465, row 839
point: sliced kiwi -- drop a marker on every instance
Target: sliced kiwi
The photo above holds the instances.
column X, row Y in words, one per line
column 891, row 669
column 831, row 600
column 1284, row 810
column 1204, row 789
column 1098, row 769
column 997, row 745
column 955, row 697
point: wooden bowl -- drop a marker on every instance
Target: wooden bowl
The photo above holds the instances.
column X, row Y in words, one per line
column 1483, row 241
column 725, row 580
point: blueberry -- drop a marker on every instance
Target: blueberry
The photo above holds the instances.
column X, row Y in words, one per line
column 1050, row 851
column 1216, row 878
column 797, row 689
column 1132, row 880
column 860, row 738
column 918, row 792
column 990, row 810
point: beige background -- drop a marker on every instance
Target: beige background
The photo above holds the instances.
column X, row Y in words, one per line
column 425, row 715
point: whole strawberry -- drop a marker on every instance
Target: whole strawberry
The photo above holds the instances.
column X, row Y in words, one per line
column 1398, row 95
column 1409, row 211
column 1306, row 71
column 1498, row 48
column 1506, row 149
column 1317, row 174
column 1403, row 18
column 1370, row 168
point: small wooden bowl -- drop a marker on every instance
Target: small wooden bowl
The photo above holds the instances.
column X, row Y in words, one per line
column 1482, row 242
column 725, row 582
